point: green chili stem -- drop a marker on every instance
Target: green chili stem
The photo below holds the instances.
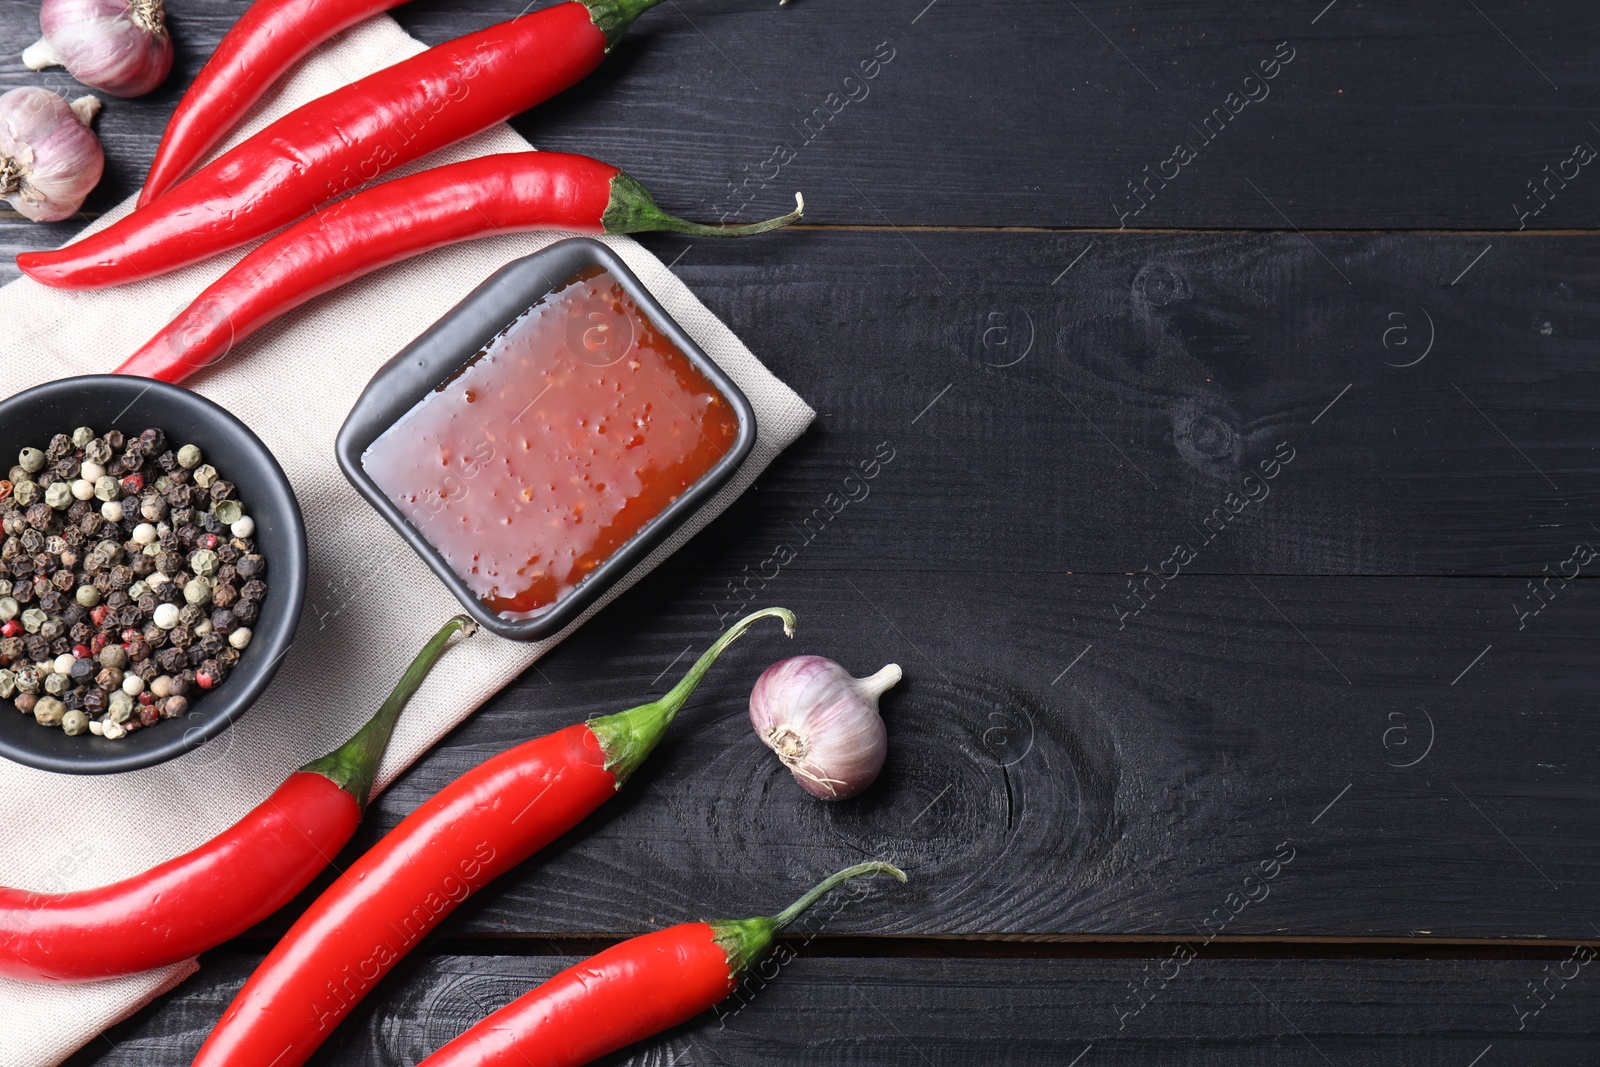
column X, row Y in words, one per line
column 613, row 17
column 353, row 765
column 633, row 210
column 746, row 941
column 628, row 737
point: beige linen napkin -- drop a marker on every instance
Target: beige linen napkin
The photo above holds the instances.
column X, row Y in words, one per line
column 293, row 385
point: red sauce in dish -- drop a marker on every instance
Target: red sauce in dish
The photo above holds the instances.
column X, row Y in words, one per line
column 554, row 446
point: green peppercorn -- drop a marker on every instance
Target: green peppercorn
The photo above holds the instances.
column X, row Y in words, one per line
column 197, row 591
column 107, row 488
column 82, row 436
column 204, row 563
column 59, row 495
column 229, row 511
column 205, row 476
column 25, row 493
column 189, row 457
column 120, row 707
column 8, row 684
column 9, row 608
column 87, row 596
column 56, row 684
column 31, row 460
column 74, row 723
column 49, row 711
column 32, row 619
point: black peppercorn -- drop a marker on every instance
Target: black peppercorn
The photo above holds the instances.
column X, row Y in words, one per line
column 247, row 612
column 115, row 439
column 224, row 596
column 53, row 600
column 254, row 589
column 64, row 581
column 66, row 468
column 171, row 659
column 82, row 671
column 146, row 669
column 22, row 591
column 154, row 440
column 95, row 701
column 116, row 600
column 167, row 461
column 11, row 649
column 32, row 542
column 60, row 646
column 60, row 445
column 77, row 511
column 38, row 647
column 223, row 622
column 81, row 633
column 228, row 657
column 102, row 582
column 180, row 636
column 121, row 576
column 40, row 515
column 143, row 565
column 92, row 524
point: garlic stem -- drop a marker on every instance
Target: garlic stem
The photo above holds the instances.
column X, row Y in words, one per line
column 86, row 107
column 882, row 682
column 41, row 54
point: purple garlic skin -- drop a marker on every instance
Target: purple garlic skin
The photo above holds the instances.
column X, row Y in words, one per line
column 49, row 157
column 823, row 723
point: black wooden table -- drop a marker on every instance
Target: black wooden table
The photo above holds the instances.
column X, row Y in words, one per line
column 1237, row 366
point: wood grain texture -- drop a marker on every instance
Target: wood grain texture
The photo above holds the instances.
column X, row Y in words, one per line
column 1431, row 115
column 921, row 1012
column 1053, row 775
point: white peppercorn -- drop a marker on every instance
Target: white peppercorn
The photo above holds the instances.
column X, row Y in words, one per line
column 245, row 527
column 166, row 616
column 240, row 638
column 62, row 664
column 144, row 533
column 111, row 510
column 97, row 728
column 91, row 470
column 82, row 489
column 160, row 686
column 112, row 731
column 132, row 684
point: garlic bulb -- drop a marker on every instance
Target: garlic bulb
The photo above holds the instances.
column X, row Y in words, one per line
column 49, row 157
column 823, row 724
column 117, row 46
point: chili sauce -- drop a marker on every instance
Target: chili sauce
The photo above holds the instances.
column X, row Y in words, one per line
column 554, row 446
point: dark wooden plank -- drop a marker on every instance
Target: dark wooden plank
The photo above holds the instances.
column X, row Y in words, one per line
column 1092, row 424
column 1051, row 774
column 1031, row 113
column 838, row 1011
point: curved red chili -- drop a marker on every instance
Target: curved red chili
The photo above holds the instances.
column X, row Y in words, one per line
column 269, row 38
column 405, row 217
column 221, row 889
column 474, row 829
column 345, row 139
column 640, row 987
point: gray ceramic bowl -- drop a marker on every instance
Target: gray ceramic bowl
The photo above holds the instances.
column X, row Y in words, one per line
column 106, row 402
column 449, row 343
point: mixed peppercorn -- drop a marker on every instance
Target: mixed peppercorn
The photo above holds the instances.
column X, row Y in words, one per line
column 129, row 580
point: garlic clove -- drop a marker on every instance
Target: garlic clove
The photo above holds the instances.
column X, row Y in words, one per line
column 49, row 157
column 823, row 724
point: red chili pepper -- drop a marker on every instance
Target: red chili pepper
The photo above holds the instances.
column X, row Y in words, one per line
column 476, row 828
column 224, row 887
column 269, row 38
column 344, row 139
column 640, row 987
column 402, row 218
